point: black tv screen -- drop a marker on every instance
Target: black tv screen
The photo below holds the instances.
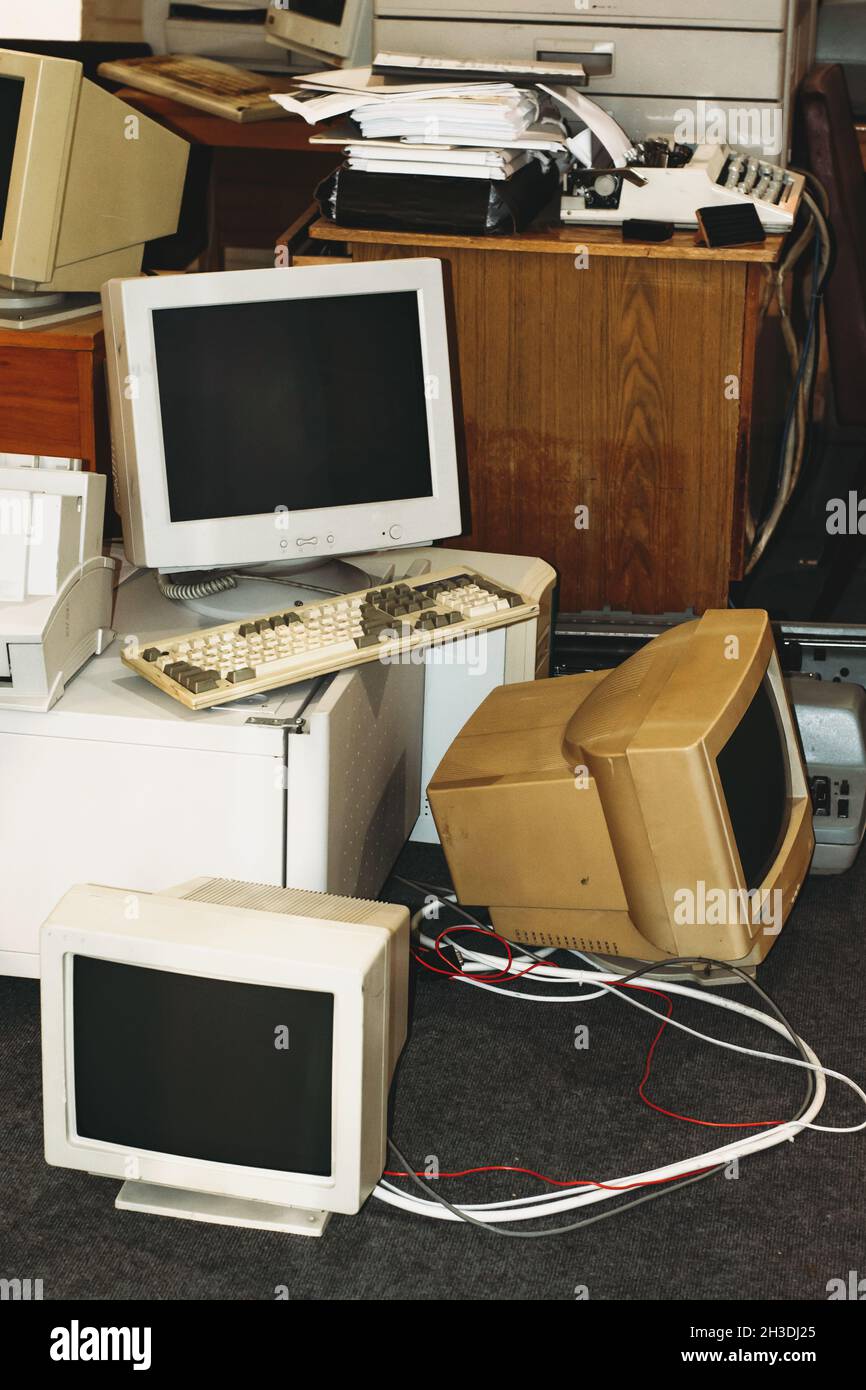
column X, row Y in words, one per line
column 325, row 11
column 292, row 403
column 11, row 96
column 201, row 1068
column 753, row 768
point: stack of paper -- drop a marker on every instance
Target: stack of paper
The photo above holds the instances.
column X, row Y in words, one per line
column 403, row 158
column 474, row 129
column 488, row 112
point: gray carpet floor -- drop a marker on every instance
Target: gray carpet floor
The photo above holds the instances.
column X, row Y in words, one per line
column 485, row 1080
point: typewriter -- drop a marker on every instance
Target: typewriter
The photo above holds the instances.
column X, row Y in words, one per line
column 668, row 180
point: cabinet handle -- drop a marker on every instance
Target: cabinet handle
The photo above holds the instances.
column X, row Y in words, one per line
column 594, row 64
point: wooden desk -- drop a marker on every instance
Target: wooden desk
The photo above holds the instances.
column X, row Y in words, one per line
column 625, row 387
column 52, row 384
column 263, row 174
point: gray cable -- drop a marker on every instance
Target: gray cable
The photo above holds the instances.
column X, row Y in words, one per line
column 649, row 1196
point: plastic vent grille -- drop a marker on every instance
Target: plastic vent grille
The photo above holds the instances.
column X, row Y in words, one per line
column 302, row 902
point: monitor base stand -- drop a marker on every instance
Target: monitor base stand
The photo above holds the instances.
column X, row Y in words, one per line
column 221, row 1211
column 24, row 311
column 270, row 589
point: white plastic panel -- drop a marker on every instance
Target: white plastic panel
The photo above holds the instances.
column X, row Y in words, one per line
column 75, row 810
column 355, row 779
column 714, row 14
column 654, row 62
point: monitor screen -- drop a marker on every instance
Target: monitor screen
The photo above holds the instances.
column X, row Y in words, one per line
column 292, row 403
column 220, row 1070
column 753, row 768
column 325, row 11
column 11, row 95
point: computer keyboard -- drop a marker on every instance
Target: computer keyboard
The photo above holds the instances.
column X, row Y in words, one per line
column 385, row 622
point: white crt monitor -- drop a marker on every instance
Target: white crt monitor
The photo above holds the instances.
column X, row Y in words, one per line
column 339, row 32
column 227, row 1048
column 269, row 415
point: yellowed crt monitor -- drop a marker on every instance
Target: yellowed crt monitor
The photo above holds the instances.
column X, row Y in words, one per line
column 654, row 811
column 226, row 1048
column 85, row 181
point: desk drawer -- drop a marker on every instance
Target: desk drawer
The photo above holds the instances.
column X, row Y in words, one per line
column 653, row 62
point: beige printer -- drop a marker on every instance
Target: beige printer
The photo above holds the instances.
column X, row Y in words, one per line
column 647, row 61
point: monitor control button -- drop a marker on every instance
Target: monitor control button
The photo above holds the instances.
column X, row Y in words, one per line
column 307, row 540
column 395, row 533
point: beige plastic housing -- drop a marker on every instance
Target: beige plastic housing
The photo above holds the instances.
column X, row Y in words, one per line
column 578, row 809
column 91, row 181
column 354, row 949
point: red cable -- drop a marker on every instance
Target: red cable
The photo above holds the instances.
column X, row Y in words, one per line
column 673, row 1114
column 503, row 975
column 542, row 1177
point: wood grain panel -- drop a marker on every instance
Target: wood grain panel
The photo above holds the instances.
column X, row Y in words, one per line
column 602, row 387
column 51, row 401
column 557, row 240
column 41, row 411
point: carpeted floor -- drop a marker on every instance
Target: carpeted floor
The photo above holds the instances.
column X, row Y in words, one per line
column 487, row 1080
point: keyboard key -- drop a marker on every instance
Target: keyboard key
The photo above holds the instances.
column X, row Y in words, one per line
column 289, row 665
column 204, row 680
column 246, row 673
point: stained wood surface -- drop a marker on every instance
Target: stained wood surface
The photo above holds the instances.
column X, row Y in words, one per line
column 624, row 387
column 51, row 390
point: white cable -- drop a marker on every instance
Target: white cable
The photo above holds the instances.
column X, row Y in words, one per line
column 570, row 1199
column 522, row 1209
column 704, row 1037
column 608, row 984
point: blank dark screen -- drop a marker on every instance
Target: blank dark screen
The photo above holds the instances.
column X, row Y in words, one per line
column 753, row 767
column 298, row 404
column 11, row 94
column 182, row 1064
column 325, row 11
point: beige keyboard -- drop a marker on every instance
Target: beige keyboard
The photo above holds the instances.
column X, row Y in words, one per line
column 217, row 664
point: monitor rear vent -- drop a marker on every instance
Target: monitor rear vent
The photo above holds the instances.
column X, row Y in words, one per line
column 301, row 902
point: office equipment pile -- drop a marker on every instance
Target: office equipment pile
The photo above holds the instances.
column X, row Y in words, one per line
column 479, row 152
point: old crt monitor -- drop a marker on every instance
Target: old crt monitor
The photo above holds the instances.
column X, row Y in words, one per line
column 339, row 32
column 85, row 181
column 226, row 1048
column 654, row 811
column 260, row 416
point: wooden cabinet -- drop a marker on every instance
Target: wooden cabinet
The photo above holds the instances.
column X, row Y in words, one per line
column 612, row 377
column 52, row 389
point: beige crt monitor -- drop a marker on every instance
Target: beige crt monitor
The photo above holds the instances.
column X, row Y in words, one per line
column 85, row 181
column 650, row 812
column 227, row 1048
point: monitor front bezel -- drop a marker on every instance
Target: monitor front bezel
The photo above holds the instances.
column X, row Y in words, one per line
column 40, row 164
column 674, row 765
column 291, row 29
column 153, row 539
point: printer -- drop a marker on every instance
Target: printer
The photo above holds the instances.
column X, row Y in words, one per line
column 655, row 65
column 55, row 583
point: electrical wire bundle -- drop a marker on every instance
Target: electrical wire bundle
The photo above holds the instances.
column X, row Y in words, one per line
column 479, row 968
column 804, row 364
